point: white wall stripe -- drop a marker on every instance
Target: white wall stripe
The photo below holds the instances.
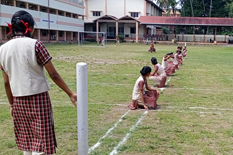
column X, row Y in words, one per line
column 99, row 141
column 114, row 151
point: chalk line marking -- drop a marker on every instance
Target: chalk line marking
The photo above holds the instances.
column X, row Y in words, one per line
column 99, row 141
column 114, row 151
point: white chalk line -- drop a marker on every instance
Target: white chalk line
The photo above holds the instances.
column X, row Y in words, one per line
column 112, row 128
column 114, row 151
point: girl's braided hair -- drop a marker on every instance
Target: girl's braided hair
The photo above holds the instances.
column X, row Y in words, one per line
column 18, row 26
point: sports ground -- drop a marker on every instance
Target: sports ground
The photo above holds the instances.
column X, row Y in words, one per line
column 194, row 114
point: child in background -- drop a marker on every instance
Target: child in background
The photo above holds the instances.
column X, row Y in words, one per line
column 152, row 47
column 117, row 41
column 147, row 41
column 23, row 62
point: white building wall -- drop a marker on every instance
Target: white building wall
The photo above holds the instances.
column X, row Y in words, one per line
column 148, row 8
column 132, row 6
column 152, row 11
column 115, row 8
column 94, row 5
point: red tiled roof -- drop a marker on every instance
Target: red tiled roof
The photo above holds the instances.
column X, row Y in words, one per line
column 192, row 21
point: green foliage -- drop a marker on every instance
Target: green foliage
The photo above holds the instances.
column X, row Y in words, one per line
column 219, row 8
column 165, row 30
column 121, row 38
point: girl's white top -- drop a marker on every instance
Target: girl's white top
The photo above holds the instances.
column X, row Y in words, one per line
column 164, row 63
column 19, row 61
column 136, row 90
column 175, row 62
column 160, row 70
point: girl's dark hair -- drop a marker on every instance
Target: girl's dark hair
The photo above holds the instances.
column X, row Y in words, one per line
column 18, row 26
column 145, row 70
column 154, row 60
column 169, row 53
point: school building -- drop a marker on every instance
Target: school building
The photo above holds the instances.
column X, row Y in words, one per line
column 121, row 17
column 56, row 20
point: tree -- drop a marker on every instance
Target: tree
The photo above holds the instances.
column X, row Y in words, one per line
column 169, row 5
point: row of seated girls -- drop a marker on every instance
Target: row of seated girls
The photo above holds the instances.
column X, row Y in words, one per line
column 147, row 99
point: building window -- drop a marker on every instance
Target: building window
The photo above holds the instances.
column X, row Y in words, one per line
column 60, row 13
column 96, row 13
column 43, row 9
column 32, row 7
column 94, row 28
column 68, row 14
column 75, row 16
column 52, row 11
column 74, row 34
column 134, row 14
column 120, row 30
column 132, row 30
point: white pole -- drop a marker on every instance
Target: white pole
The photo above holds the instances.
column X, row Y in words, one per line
column 82, row 106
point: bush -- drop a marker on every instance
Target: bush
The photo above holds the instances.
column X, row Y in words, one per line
column 165, row 30
column 121, row 38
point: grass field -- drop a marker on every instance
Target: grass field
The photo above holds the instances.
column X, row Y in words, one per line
column 194, row 117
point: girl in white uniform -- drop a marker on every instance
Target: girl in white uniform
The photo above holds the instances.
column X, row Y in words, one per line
column 158, row 76
column 140, row 97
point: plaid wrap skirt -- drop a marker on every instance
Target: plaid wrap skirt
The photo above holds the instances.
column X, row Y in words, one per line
column 33, row 123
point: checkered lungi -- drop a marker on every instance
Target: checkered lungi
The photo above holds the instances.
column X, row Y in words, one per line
column 33, row 123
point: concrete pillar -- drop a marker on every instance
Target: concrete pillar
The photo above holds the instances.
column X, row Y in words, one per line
column 71, row 36
column 56, row 12
column 106, row 7
column 38, row 8
column 97, row 30
column 64, row 36
column 136, row 32
column 116, row 28
column 38, row 34
column 27, row 5
column 86, row 3
column 215, row 33
column 57, row 36
column 14, row 3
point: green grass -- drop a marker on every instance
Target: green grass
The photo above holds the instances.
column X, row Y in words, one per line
column 195, row 115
